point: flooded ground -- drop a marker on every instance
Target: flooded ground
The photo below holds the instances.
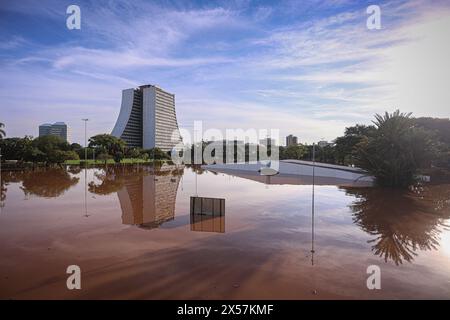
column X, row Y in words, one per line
column 141, row 234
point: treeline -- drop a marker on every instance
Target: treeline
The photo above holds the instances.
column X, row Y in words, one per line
column 108, row 147
column 53, row 150
column 395, row 149
column 46, row 150
column 397, row 128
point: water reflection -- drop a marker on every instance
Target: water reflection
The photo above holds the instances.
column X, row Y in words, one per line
column 207, row 214
column 290, row 179
column 3, row 190
column 402, row 222
column 147, row 197
column 41, row 182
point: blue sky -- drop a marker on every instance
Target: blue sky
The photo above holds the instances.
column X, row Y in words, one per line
column 309, row 68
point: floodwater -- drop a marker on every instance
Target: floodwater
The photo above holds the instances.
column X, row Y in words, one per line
column 176, row 233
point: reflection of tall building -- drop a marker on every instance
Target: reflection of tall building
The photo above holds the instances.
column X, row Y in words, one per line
column 147, row 118
column 207, row 214
column 148, row 200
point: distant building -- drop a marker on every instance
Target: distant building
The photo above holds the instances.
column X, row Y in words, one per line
column 59, row 129
column 45, row 129
column 147, row 118
column 291, row 140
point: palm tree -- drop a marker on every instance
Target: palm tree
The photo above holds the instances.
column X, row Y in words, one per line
column 396, row 150
column 2, row 132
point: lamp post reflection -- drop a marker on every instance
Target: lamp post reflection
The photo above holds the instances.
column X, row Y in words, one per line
column 2, row 196
column 313, row 203
column 85, row 193
column 85, row 167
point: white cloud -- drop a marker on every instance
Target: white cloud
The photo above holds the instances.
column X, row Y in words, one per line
column 227, row 115
column 110, row 60
column 12, row 43
column 403, row 66
column 311, row 79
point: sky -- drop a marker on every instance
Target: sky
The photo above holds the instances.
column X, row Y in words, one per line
column 308, row 68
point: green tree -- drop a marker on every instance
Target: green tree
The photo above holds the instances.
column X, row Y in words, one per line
column 89, row 153
column 118, row 156
column 62, row 156
column 134, row 153
column 396, row 150
column 104, row 157
column 77, row 148
column 52, row 150
column 157, row 154
column 50, row 142
column 344, row 146
column 19, row 149
column 326, row 154
column 440, row 127
column 296, row 152
column 106, row 143
column 441, row 131
column 46, row 149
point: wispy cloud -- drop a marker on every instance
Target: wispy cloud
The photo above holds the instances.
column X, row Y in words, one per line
column 13, row 42
column 306, row 67
column 110, row 60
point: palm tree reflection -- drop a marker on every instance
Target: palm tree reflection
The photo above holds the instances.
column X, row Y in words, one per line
column 3, row 190
column 403, row 222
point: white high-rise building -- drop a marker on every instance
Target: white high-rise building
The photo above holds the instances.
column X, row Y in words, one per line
column 147, row 118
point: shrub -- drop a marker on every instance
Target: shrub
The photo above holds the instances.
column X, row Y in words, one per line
column 396, row 150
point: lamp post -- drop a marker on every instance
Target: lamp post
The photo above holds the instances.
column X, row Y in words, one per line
column 85, row 139
column 85, row 166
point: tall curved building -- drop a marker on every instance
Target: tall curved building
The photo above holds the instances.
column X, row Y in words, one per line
column 147, row 118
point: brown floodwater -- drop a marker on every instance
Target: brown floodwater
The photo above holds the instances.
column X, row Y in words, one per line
column 180, row 233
